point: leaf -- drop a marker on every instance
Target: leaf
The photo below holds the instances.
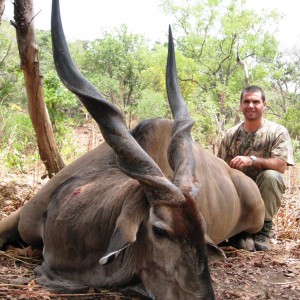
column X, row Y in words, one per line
column 32, row 285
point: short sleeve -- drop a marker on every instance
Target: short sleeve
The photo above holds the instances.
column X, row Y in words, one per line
column 283, row 148
column 222, row 150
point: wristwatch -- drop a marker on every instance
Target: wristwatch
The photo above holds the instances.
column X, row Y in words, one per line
column 254, row 158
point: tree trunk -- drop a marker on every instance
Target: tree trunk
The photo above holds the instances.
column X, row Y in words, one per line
column 245, row 68
column 29, row 56
column 2, row 7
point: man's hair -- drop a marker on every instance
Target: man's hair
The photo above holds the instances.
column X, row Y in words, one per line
column 253, row 89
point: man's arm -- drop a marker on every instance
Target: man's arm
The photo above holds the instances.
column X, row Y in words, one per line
column 273, row 163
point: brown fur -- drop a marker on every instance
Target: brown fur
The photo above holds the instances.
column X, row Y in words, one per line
column 79, row 211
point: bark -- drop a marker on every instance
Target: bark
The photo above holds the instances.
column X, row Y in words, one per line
column 2, row 7
column 29, row 56
column 245, row 68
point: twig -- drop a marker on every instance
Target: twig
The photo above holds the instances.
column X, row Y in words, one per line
column 5, row 56
column 284, row 283
column 13, row 285
column 20, row 258
column 81, row 295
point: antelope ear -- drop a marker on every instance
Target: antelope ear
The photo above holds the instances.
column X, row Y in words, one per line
column 213, row 250
column 127, row 225
column 122, row 237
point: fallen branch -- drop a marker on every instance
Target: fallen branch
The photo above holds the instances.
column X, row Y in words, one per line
column 69, row 295
column 285, row 283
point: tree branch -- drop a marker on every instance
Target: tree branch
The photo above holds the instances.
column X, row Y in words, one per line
column 6, row 55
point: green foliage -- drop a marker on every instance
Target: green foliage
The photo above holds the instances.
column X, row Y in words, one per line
column 153, row 77
column 18, row 147
column 152, row 105
column 291, row 121
column 17, row 138
column 45, row 51
column 204, row 113
column 209, row 35
column 212, row 34
column 114, row 64
column 66, row 140
column 60, row 102
column 296, row 147
column 11, row 77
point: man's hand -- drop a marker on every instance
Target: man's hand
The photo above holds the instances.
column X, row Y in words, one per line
column 272, row 163
column 240, row 162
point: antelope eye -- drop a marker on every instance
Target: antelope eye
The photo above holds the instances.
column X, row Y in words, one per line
column 159, row 232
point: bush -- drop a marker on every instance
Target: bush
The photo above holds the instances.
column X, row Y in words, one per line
column 151, row 105
column 60, row 102
column 17, row 138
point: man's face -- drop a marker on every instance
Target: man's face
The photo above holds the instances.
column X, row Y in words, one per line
column 252, row 106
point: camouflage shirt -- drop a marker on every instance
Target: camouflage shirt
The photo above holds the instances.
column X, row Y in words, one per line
column 270, row 140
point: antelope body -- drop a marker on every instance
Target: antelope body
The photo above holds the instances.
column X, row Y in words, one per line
column 141, row 207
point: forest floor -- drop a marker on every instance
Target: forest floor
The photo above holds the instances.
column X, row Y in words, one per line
column 244, row 275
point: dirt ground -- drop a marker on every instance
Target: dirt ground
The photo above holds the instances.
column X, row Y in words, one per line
column 258, row 275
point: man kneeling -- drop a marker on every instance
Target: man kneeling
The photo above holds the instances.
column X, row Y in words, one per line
column 262, row 150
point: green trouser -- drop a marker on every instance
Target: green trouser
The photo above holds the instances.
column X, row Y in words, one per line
column 272, row 187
